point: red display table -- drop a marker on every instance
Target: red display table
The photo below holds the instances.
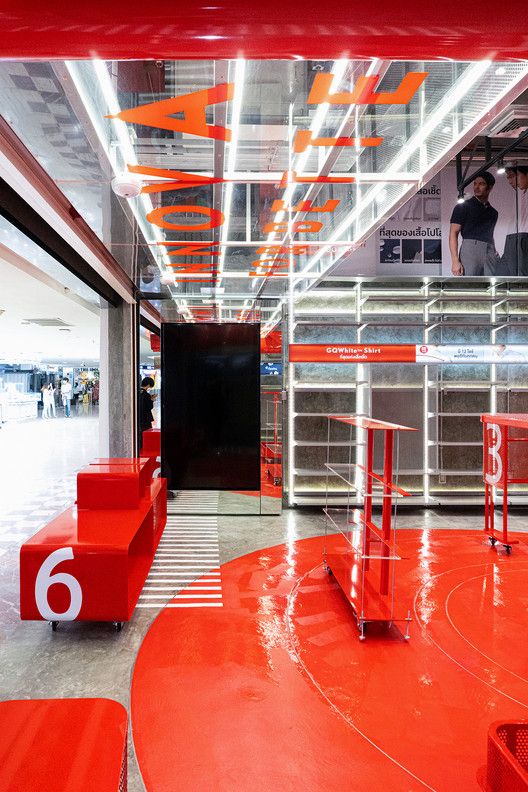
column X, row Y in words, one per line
column 363, row 563
column 505, row 462
column 63, row 745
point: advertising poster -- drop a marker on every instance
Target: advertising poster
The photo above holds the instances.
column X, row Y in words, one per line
column 409, row 353
column 415, row 240
column 410, row 242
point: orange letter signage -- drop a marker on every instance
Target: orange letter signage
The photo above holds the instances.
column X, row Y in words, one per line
column 364, row 93
column 192, row 249
column 302, row 227
column 295, row 250
column 157, row 217
column 305, row 206
column 290, row 177
column 192, row 106
column 304, row 138
column 179, row 179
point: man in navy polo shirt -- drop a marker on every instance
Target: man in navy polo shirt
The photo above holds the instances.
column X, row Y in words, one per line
column 475, row 221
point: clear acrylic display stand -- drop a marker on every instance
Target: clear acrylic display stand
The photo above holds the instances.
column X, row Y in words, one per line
column 364, row 558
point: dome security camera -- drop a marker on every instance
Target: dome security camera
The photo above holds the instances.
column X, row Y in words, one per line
column 126, row 185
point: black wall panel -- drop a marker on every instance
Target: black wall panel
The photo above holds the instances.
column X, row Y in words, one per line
column 210, row 406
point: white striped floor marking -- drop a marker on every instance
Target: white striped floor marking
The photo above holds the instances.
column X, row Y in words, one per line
column 180, row 605
column 193, row 502
column 194, row 588
column 187, row 559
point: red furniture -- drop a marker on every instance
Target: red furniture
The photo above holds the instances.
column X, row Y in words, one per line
column 151, row 448
column 63, row 745
column 151, row 443
column 507, row 766
column 90, row 564
column 363, row 562
column 112, row 484
column 505, row 462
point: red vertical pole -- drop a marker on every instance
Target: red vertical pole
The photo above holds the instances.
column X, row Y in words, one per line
column 491, row 511
column 367, row 500
column 275, row 420
column 486, row 507
column 386, row 509
column 485, row 475
column 504, row 455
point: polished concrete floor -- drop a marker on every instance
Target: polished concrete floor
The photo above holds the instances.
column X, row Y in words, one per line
column 39, row 460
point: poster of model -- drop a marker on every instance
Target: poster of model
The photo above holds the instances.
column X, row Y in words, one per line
column 410, row 242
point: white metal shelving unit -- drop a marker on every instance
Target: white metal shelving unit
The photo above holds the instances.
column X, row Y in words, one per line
column 447, row 403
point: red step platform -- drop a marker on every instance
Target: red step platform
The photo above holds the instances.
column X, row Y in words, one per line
column 151, row 439
column 151, row 443
column 63, row 745
column 112, row 484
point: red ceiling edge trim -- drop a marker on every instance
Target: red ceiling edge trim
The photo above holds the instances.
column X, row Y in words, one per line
column 276, row 29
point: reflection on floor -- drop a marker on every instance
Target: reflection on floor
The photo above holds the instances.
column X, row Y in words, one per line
column 38, row 459
column 194, row 502
column 92, row 660
column 275, row 691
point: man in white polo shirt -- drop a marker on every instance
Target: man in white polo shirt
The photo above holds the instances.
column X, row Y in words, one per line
column 515, row 256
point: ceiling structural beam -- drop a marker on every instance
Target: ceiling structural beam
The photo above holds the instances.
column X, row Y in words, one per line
column 275, row 29
column 45, row 208
column 20, row 214
column 127, row 153
column 465, row 84
column 275, row 177
column 15, row 260
column 237, row 76
column 348, row 128
column 458, row 91
column 145, row 322
column 491, row 160
column 221, row 76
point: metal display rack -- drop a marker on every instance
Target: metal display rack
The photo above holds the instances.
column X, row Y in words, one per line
column 271, row 444
column 364, row 558
column 446, row 400
column 505, row 462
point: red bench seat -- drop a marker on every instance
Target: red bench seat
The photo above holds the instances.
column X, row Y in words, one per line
column 91, row 564
column 63, row 745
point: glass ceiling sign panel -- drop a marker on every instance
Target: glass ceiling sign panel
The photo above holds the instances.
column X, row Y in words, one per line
column 234, row 175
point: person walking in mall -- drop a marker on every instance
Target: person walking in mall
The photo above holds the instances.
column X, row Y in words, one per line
column 66, row 394
column 146, row 404
column 515, row 257
column 475, row 221
column 47, row 397
column 51, row 391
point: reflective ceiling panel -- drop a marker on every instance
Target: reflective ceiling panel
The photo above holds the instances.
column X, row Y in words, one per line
column 217, row 183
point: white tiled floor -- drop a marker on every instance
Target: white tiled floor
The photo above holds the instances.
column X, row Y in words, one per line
column 38, row 463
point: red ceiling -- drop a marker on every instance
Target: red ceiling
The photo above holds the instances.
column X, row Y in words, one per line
column 259, row 29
